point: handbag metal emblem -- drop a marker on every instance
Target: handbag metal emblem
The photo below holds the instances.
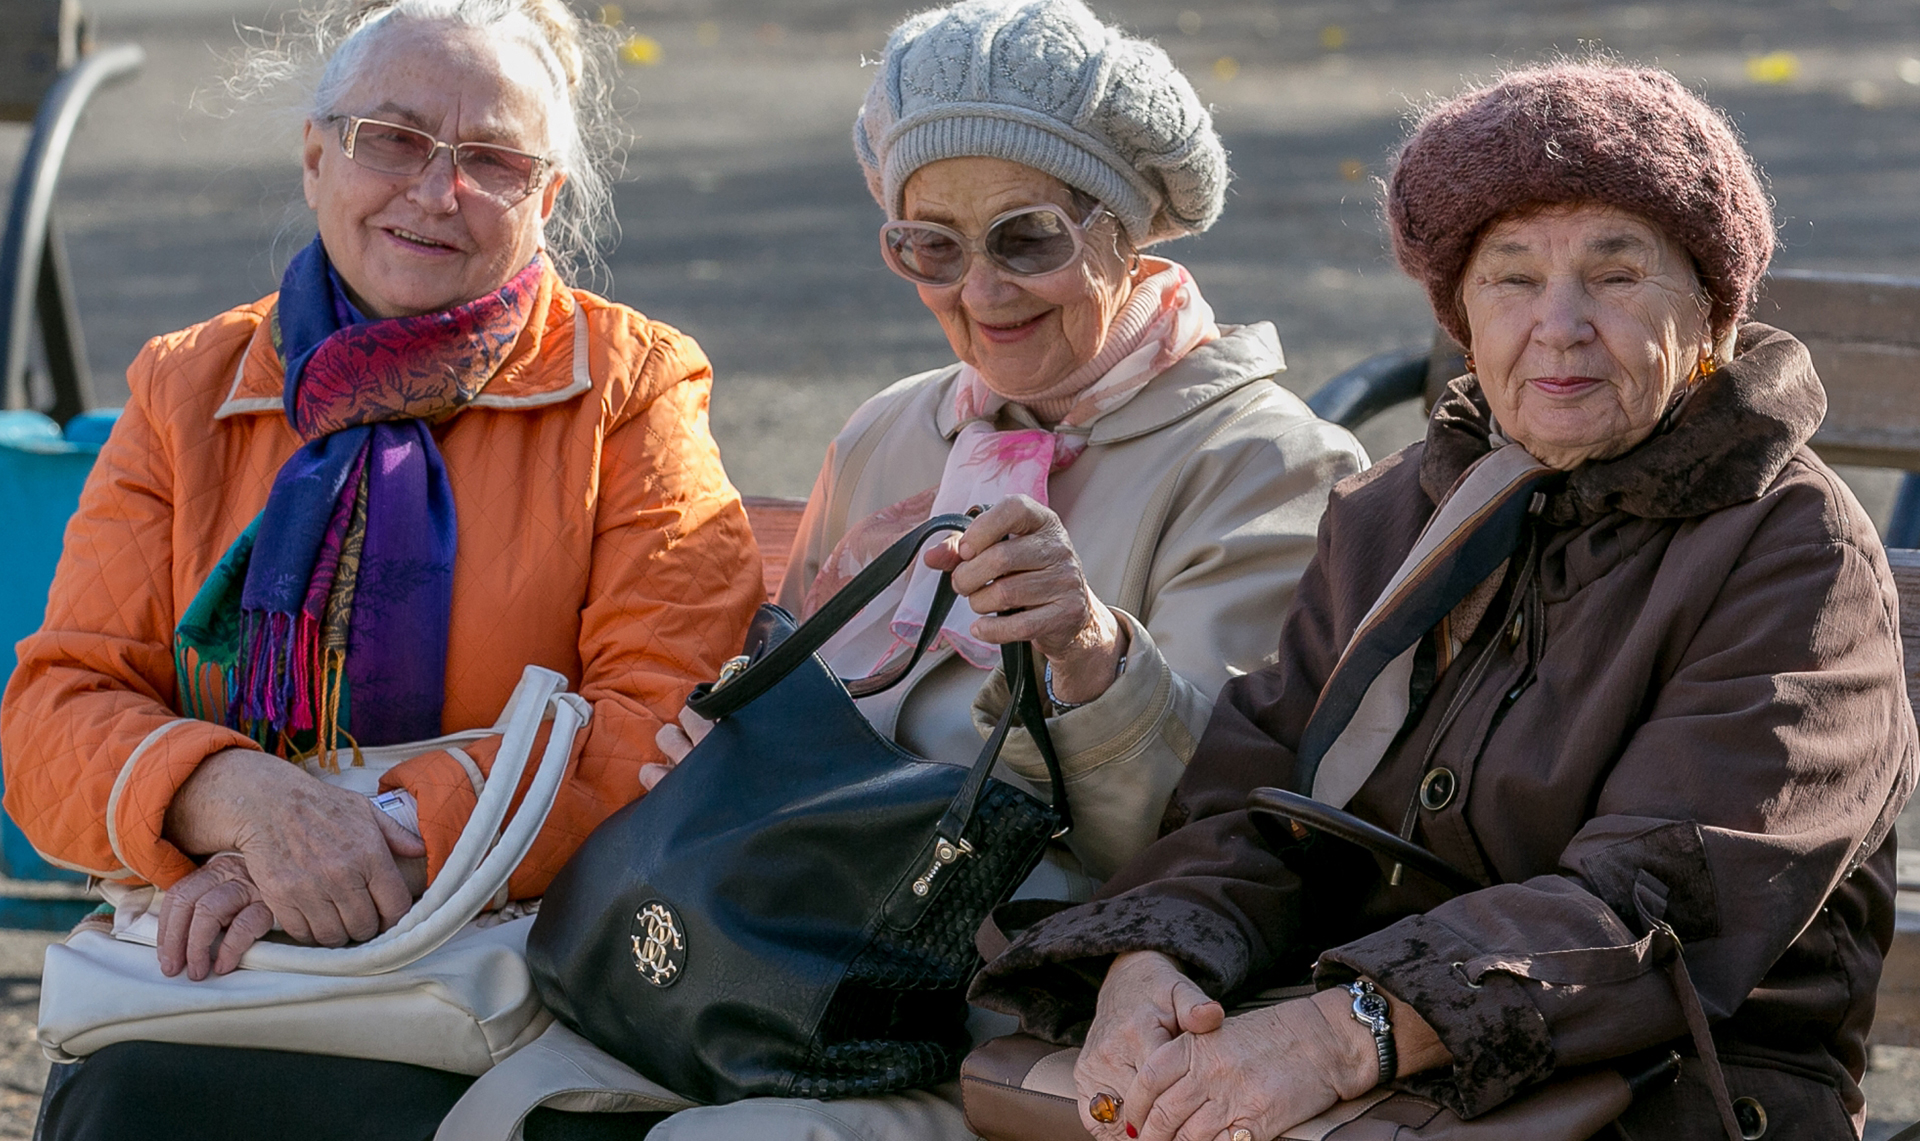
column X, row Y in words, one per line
column 659, row 943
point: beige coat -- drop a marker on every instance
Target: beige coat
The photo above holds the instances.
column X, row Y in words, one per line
column 1193, row 510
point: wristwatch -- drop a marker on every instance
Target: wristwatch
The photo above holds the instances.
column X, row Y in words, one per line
column 1370, row 1010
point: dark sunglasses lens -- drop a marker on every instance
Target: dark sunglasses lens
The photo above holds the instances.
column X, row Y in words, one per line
column 495, row 170
column 926, row 254
column 1031, row 243
column 395, row 150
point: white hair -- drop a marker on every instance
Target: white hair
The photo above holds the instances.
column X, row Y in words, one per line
column 323, row 50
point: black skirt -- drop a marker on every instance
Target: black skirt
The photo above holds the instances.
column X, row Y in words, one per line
column 154, row 1091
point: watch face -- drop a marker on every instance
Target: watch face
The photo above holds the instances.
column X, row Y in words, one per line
column 1370, row 1010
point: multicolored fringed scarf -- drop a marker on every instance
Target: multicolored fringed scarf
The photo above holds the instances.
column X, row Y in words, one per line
column 328, row 616
column 1163, row 320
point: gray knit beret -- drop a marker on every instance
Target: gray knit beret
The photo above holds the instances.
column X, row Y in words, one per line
column 1046, row 84
column 1630, row 137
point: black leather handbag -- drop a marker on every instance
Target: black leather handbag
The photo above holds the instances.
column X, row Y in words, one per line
column 791, row 911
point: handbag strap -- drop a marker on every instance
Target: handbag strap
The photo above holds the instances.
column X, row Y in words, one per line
column 728, row 695
column 1023, row 708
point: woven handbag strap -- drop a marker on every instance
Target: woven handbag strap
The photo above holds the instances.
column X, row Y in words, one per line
column 720, row 699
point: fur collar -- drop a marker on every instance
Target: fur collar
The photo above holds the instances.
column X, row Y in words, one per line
column 1727, row 444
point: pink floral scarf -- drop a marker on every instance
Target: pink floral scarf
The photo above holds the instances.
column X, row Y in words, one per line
column 1163, row 320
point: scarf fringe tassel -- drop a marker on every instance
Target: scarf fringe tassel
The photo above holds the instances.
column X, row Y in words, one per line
column 284, row 683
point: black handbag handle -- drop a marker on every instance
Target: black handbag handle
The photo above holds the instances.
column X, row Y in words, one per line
column 1270, row 806
column 722, row 698
column 718, row 700
column 1023, row 708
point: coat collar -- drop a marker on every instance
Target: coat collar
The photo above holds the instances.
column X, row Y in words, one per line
column 1242, row 355
column 1726, row 445
column 524, row 380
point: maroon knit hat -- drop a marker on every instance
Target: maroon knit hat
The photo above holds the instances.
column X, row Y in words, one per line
column 1628, row 137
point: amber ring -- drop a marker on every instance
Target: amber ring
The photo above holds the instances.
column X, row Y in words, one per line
column 1104, row 1108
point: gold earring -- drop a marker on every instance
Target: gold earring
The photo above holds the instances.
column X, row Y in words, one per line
column 1706, row 366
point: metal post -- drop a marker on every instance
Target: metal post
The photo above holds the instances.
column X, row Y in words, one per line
column 24, row 250
column 60, row 329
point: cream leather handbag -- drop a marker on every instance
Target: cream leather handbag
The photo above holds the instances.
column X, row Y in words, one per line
column 446, row 987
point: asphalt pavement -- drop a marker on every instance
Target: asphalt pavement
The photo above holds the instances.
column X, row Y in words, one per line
column 745, row 220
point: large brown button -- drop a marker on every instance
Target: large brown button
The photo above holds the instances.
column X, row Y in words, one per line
column 1752, row 1117
column 1437, row 789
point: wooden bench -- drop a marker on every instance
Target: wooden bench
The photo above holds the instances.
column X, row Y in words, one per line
column 1897, row 1018
column 775, row 522
column 1863, row 332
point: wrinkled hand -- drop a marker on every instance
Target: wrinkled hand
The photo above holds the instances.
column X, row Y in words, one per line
column 1016, row 565
column 676, row 741
column 195, row 912
column 1263, row 1071
column 1145, row 1003
column 321, row 858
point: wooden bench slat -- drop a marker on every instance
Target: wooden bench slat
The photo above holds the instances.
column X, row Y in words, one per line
column 775, row 522
column 1863, row 332
column 1896, row 1019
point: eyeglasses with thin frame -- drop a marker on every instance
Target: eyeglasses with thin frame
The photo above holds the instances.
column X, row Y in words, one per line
column 501, row 173
column 1032, row 241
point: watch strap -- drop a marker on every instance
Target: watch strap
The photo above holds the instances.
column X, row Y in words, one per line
column 1371, row 1010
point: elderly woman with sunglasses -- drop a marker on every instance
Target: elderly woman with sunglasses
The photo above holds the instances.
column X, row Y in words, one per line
column 508, row 471
column 1154, row 491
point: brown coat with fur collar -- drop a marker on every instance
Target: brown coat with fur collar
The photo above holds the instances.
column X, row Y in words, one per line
column 1693, row 711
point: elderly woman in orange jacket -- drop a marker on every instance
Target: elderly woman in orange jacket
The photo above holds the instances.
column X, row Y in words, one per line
column 353, row 511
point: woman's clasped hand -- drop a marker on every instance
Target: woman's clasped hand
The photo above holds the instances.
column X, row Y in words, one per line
column 1181, row 1069
column 334, row 869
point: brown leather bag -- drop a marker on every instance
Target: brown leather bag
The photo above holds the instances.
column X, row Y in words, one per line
column 1019, row 1088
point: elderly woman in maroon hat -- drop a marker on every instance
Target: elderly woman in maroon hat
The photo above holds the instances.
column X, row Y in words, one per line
column 1610, row 640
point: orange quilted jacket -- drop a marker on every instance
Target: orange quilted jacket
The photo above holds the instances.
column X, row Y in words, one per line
column 598, row 536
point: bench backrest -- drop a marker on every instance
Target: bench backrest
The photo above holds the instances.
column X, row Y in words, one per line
column 1897, row 1016
column 1864, row 333
column 775, row 522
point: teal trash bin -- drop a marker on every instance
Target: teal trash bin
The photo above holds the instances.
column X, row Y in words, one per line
column 41, row 472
